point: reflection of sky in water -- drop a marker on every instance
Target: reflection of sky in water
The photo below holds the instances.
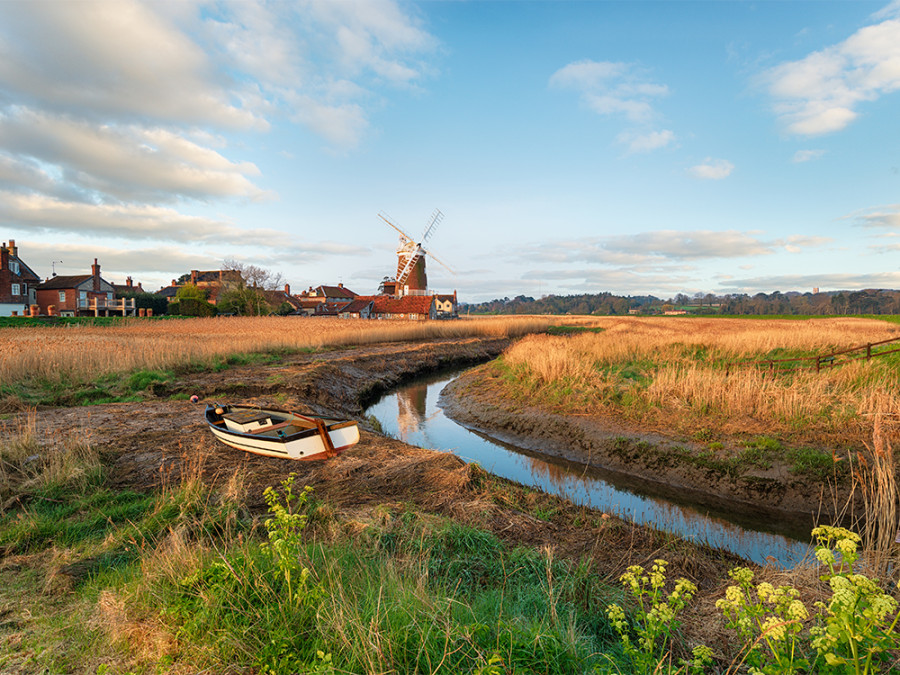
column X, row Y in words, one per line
column 412, row 415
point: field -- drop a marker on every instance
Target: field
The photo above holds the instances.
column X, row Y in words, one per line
column 75, row 354
column 690, row 375
column 131, row 542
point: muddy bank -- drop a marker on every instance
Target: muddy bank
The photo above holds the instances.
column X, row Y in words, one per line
column 156, row 441
column 665, row 466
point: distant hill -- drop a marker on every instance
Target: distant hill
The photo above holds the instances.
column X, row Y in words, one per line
column 869, row 301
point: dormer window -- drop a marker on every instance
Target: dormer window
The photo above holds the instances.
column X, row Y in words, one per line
column 14, row 267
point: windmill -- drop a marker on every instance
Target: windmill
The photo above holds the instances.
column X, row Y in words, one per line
column 411, row 279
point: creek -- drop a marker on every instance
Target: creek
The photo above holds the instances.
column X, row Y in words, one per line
column 413, row 414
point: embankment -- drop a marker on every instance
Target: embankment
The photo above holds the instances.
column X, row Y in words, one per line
column 666, row 465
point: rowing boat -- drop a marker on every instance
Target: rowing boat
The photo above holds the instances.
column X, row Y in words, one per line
column 279, row 433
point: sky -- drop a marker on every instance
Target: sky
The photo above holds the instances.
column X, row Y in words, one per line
column 573, row 147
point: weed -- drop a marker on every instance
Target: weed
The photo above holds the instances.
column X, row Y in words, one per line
column 655, row 618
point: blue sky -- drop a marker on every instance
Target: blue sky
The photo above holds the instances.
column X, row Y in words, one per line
column 573, row 147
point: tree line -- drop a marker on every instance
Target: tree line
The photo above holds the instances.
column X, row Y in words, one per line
column 870, row 301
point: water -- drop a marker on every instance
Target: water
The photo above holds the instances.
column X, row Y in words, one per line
column 413, row 414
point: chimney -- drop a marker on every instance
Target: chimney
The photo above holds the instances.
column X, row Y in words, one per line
column 129, row 284
column 173, row 283
column 12, row 248
column 95, row 272
column 287, row 289
column 194, row 275
column 340, row 284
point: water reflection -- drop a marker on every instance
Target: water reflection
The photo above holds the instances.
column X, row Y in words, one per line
column 413, row 414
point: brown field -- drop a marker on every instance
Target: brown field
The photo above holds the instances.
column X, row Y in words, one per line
column 674, row 374
column 81, row 353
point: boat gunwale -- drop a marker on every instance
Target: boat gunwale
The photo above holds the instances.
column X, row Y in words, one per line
column 284, row 439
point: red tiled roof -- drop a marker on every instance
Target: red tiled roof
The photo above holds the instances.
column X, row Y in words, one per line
column 408, row 304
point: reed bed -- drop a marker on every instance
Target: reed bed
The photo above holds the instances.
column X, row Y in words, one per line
column 81, row 353
column 679, row 374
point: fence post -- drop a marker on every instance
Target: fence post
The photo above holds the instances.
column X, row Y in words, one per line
column 868, row 351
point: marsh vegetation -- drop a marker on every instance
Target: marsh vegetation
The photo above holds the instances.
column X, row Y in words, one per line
column 401, row 560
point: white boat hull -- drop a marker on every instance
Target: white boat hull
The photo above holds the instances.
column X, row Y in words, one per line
column 306, row 444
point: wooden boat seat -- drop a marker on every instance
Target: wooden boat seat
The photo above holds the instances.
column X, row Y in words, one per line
column 271, row 427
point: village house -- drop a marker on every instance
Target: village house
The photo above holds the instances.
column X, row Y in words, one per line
column 279, row 298
column 211, row 281
column 313, row 299
column 410, row 307
column 81, row 295
column 127, row 287
column 17, row 282
column 361, row 308
column 446, row 306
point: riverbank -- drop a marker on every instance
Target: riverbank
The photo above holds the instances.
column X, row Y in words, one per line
column 481, row 399
column 113, row 558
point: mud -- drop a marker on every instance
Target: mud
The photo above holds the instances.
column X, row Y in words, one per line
column 152, row 443
column 657, row 462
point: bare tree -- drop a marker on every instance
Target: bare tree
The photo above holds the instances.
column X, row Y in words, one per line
column 247, row 295
column 256, row 277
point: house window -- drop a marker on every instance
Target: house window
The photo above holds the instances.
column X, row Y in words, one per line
column 14, row 289
column 14, row 268
column 62, row 296
column 109, row 296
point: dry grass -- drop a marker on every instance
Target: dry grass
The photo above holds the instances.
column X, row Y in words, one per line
column 80, row 353
column 673, row 373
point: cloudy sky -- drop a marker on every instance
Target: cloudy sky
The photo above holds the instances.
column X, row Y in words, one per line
column 630, row 147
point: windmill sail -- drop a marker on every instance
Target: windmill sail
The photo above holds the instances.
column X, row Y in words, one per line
column 411, row 277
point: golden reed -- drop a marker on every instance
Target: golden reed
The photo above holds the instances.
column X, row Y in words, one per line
column 81, row 353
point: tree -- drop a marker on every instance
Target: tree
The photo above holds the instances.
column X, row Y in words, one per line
column 191, row 292
column 256, row 277
column 158, row 304
column 245, row 297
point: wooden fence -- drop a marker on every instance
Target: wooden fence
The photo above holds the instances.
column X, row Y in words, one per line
column 867, row 351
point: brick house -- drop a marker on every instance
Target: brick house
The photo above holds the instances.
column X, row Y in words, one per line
column 81, row 295
column 17, row 281
column 278, row 298
column 211, row 281
column 128, row 287
column 361, row 308
column 410, row 307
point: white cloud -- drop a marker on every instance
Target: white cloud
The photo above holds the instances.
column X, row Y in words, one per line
column 821, row 93
column 646, row 142
column 887, row 217
column 797, row 243
column 691, row 245
column 610, row 88
column 132, row 221
column 807, row 155
column 657, row 248
column 712, row 169
column 119, row 60
column 129, row 162
column 826, row 281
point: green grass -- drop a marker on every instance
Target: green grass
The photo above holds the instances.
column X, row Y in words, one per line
column 573, row 330
column 816, row 463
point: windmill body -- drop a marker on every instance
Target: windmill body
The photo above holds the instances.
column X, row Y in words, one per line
column 411, row 278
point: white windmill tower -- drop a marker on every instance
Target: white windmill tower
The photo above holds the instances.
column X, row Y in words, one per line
column 411, row 278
